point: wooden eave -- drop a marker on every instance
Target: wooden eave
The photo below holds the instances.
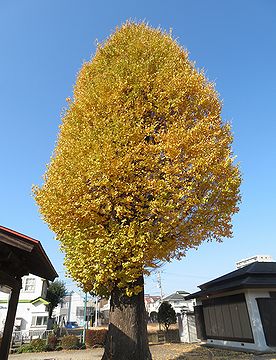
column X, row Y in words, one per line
column 21, row 255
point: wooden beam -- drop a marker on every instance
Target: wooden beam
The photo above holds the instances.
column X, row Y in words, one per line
column 9, row 323
column 11, row 262
column 5, row 289
column 20, row 244
column 10, row 281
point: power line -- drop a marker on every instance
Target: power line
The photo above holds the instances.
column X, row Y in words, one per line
column 186, row 275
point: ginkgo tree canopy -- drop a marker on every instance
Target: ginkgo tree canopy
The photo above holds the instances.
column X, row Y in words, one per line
column 143, row 168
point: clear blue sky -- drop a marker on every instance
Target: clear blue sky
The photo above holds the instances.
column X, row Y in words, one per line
column 43, row 45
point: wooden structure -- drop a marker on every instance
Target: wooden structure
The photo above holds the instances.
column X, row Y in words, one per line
column 238, row 310
column 19, row 256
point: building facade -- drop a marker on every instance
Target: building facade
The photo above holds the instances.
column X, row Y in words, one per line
column 152, row 303
column 72, row 309
column 179, row 302
column 21, row 255
column 31, row 311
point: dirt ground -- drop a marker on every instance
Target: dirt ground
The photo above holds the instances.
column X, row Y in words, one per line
column 159, row 352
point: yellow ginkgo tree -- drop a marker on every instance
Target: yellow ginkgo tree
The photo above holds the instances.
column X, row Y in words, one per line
column 142, row 171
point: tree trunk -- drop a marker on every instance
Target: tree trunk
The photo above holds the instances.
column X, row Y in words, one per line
column 50, row 311
column 127, row 337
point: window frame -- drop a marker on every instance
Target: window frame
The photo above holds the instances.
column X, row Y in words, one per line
column 44, row 321
column 31, row 285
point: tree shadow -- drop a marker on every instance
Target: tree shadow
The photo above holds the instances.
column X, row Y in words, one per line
column 202, row 352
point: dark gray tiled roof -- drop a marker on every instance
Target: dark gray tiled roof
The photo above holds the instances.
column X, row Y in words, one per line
column 179, row 295
column 255, row 275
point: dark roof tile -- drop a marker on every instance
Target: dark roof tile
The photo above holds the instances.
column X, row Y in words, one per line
column 255, row 275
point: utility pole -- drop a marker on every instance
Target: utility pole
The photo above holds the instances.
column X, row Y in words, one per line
column 69, row 306
column 84, row 317
column 159, row 282
column 96, row 313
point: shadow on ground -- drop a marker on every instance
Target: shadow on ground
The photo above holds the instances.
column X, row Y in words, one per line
column 197, row 352
column 205, row 353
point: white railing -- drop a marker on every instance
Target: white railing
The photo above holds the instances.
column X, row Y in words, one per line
column 41, row 334
column 28, row 335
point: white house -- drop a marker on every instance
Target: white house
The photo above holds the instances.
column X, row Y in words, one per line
column 184, row 310
column 31, row 311
column 72, row 309
column 21, row 255
column 152, row 303
column 179, row 303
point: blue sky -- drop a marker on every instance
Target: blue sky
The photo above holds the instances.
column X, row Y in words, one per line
column 43, row 45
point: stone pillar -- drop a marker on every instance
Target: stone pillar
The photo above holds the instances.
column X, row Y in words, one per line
column 8, row 329
column 255, row 319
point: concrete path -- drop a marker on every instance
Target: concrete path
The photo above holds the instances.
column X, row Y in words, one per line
column 61, row 355
column 159, row 352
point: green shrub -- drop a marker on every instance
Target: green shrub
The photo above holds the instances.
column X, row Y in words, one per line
column 52, row 342
column 36, row 345
column 56, row 329
column 95, row 337
column 70, row 342
column 26, row 348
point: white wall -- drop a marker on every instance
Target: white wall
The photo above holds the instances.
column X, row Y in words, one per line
column 187, row 328
column 76, row 300
column 33, row 287
column 25, row 312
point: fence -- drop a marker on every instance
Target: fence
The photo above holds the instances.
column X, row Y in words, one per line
column 161, row 336
column 26, row 336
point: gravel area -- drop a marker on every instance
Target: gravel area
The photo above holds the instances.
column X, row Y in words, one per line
column 159, row 352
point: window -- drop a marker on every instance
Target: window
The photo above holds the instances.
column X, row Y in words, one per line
column 80, row 311
column 39, row 320
column 29, row 285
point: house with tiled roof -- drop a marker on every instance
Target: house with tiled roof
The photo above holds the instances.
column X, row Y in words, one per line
column 179, row 302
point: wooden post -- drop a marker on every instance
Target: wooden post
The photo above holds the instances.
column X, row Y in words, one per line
column 7, row 333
